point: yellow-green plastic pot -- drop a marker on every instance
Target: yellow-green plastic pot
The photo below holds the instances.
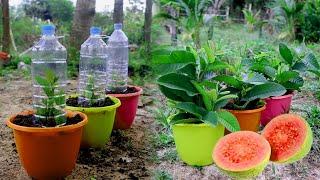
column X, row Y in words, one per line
column 100, row 123
column 195, row 142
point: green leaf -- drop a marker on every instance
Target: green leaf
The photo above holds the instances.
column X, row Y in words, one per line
column 217, row 66
column 192, row 108
column 220, row 104
column 264, row 69
column 294, row 83
column 299, row 66
column 316, row 72
column 263, row 91
column 189, row 70
column 41, row 81
column 229, row 80
column 228, row 120
column 175, row 95
column 255, row 78
column 286, row 76
column 228, row 97
column 211, row 118
column 286, row 53
column 183, row 118
column 204, row 94
column 167, row 61
column 311, row 61
column 178, row 82
column 50, row 76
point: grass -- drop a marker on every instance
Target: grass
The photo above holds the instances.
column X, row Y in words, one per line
column 162, row 175
column 313, row 118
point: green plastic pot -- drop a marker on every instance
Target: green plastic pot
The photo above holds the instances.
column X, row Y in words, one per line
column 100, row 123
column 195, row 142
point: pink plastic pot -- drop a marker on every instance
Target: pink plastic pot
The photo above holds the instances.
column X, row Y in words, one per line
column 276, row 106
column 127, row 111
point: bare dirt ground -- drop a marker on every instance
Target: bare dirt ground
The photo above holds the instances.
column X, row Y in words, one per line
column 131, row 154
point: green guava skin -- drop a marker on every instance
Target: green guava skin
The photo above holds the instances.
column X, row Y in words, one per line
column 248, row 174
column 304, row 150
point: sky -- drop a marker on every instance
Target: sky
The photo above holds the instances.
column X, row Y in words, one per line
column 101, row 5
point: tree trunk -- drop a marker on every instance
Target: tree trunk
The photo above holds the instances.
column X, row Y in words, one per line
column 174, row 36
column 82, row 21
column 118, row 11
column 147, row 26
column 217, row 5
column 6, row 26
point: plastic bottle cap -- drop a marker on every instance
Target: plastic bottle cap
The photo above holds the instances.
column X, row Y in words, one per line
column 117, row 26
column 95, row 31
column 48, row 29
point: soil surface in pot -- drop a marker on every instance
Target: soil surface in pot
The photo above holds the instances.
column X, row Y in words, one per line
column 256, row 104
column 30, row 121
column 73, row 101
column 128, row 91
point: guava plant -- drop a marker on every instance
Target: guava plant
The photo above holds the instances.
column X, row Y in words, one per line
column 285, row 71
column 50, row 113
column 250, row 89
column 186, row 80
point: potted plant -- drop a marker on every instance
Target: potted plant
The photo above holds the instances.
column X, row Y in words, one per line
column 91, row 98
column 251, row 89
column 285, row 71
column 117, row 76
column 48, row 139
column 199, row 121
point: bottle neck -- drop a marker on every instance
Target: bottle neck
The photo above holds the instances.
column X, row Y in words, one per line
column 48, row 36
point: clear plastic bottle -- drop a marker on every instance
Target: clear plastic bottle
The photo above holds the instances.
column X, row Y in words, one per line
column 49, row 74
column 118, row 56
column 93, row 62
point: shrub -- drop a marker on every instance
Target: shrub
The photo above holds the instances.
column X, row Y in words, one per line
column 310, row 27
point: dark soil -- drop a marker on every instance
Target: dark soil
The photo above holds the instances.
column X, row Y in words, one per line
column 73, row 101
column 128, row 91
column 26, row 120
column 30, row 121
column 255, row 104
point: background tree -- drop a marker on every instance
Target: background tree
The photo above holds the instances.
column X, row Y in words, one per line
column 290, row 12
column 118, row 11
column 190, row 16
column 147, row 26
column 217, row 5
column 59, row 11
column 6, row 26
column 82, row 21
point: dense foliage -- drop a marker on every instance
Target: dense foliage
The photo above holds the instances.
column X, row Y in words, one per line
column 186, row 80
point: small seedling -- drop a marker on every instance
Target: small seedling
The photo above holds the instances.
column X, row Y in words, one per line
column 89, row 92
column 50, row 112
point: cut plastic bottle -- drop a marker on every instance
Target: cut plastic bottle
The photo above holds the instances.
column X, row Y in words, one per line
column 92, row 72
column 118, row 56
column 49, row 74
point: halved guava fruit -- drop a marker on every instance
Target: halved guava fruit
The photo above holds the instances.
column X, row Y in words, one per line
column 290, row 138
column 243, row 154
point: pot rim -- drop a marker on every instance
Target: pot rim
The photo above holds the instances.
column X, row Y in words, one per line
column 281, row 97
column 196, row 125
column 138, row 93
column 96, row 109
column 47, row 129
column 189, row 124
column 248, row 111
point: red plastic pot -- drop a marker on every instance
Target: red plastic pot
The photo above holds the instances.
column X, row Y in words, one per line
column 127, row 111
column 276, row 106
